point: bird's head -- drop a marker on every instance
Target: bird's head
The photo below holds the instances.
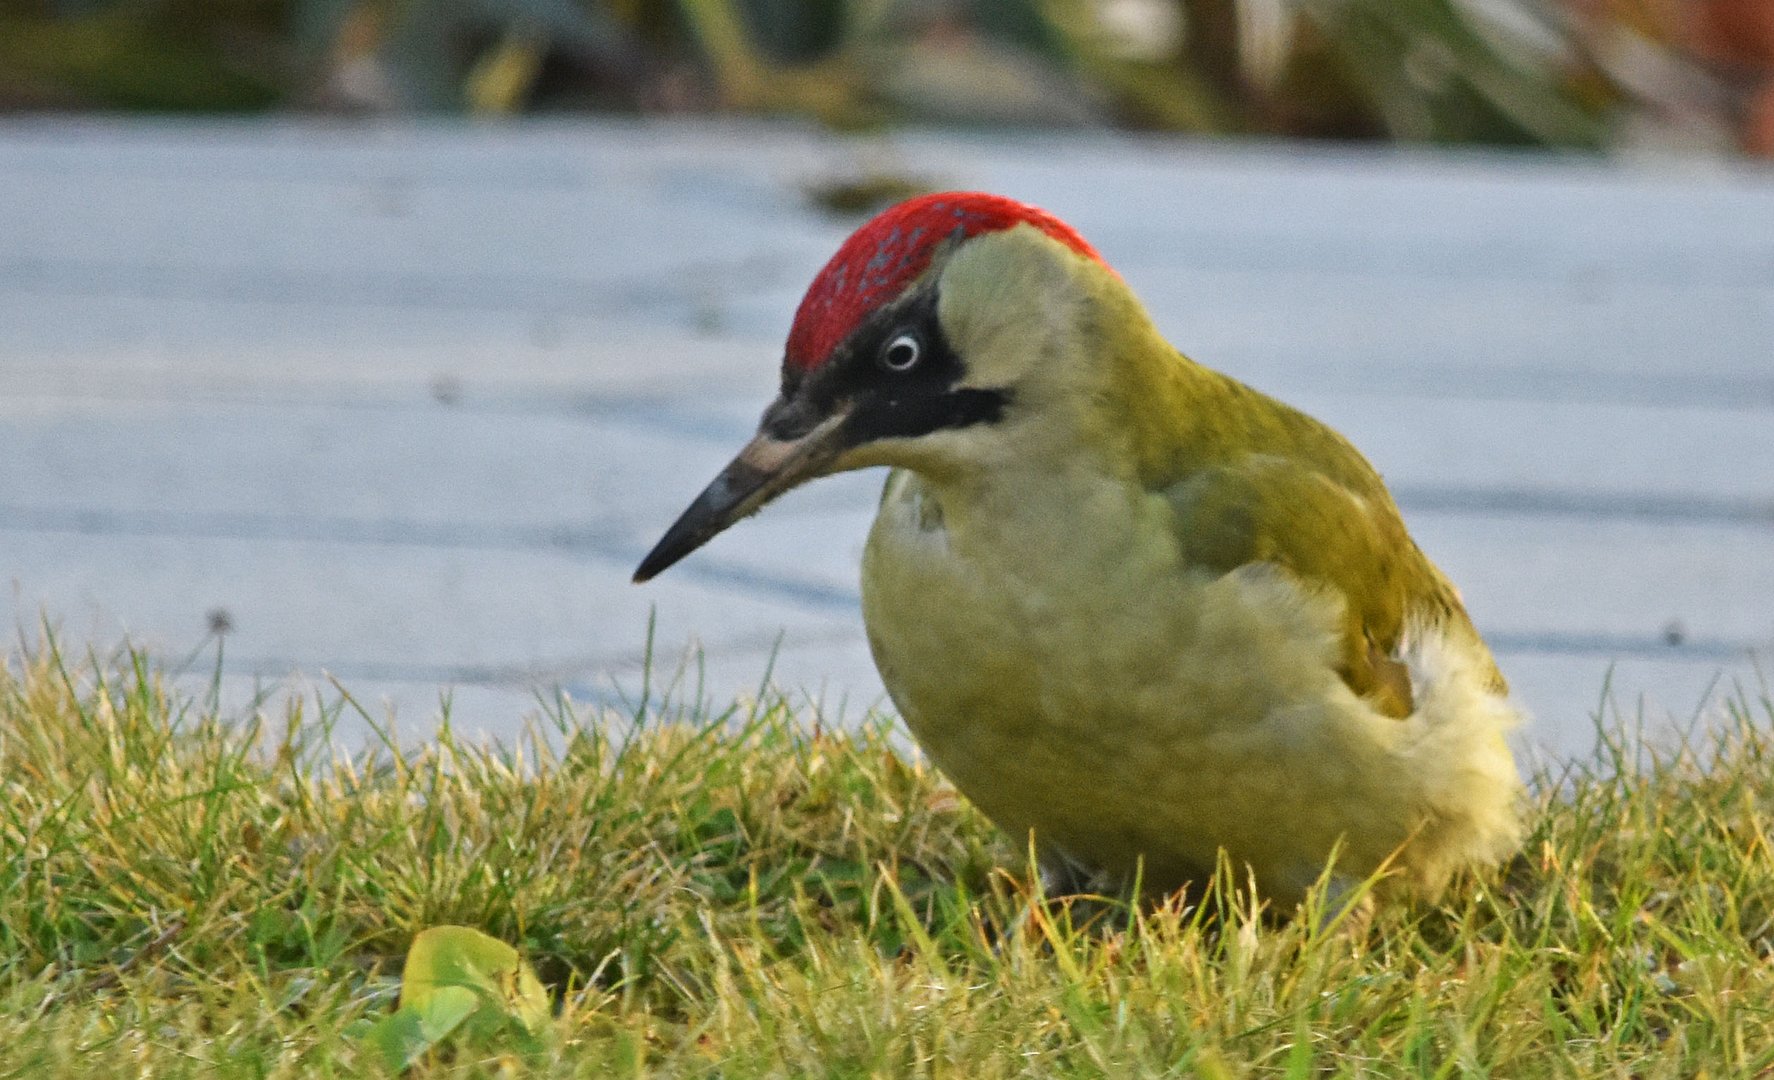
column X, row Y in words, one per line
column 936, row 329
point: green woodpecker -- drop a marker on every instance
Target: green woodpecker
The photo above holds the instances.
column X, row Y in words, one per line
column 1125, row 602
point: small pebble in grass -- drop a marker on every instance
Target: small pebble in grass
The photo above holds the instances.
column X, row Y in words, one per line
column 220, row 620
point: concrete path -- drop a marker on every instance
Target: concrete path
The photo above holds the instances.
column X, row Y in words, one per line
column 405, row 405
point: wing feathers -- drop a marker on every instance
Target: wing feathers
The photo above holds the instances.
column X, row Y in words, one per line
column 1268, row 508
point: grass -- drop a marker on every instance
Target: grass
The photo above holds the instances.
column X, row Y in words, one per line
column 738, row 896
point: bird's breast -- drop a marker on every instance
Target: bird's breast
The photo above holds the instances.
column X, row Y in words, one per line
column 1035, row 618
column 1056, row 659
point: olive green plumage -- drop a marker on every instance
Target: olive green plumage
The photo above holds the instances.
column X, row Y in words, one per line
column 1297, row 495
column 1135, row 609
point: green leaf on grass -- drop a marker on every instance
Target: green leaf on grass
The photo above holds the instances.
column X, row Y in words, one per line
column 406, row 1034
column 459, row 979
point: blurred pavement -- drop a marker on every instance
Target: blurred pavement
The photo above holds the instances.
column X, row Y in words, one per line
column 406, row 404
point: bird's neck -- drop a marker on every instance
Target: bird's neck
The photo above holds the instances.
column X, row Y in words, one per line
column 1149, row 411
column 1176, row 416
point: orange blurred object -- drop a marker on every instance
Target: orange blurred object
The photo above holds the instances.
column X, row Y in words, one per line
column 1732, row 33
column 1732, row 38
column 1738, row 35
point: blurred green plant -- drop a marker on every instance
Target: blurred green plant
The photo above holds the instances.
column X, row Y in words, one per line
column 171, row 55
column 1495, row 71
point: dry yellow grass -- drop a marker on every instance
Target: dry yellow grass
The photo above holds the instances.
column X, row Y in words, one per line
column 733, row 896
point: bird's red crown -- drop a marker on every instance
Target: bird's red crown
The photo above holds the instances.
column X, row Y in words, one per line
column 894, row 247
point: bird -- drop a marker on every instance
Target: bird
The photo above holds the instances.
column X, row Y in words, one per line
column 1146, row 618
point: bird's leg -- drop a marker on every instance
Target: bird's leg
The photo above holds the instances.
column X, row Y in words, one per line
column 1063, row 877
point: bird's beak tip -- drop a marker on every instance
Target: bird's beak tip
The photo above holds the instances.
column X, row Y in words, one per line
column 663, row 557
column 765, row 468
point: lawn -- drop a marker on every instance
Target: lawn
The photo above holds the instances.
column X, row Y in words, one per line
column 743, row 895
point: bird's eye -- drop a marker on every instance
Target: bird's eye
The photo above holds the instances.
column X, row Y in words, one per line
column 902, row 353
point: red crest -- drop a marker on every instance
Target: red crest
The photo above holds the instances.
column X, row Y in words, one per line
column 892, row 249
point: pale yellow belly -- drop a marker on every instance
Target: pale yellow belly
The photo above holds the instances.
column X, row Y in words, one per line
column 1088, row 688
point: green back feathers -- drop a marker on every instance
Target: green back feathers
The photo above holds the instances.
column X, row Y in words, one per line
column 1252, row 480
column 1257, row 481
column 1249, row 479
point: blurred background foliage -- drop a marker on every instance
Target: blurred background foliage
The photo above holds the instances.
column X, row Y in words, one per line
column 1568, row 73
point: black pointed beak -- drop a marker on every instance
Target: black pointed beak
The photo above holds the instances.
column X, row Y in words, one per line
column 764, row 469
